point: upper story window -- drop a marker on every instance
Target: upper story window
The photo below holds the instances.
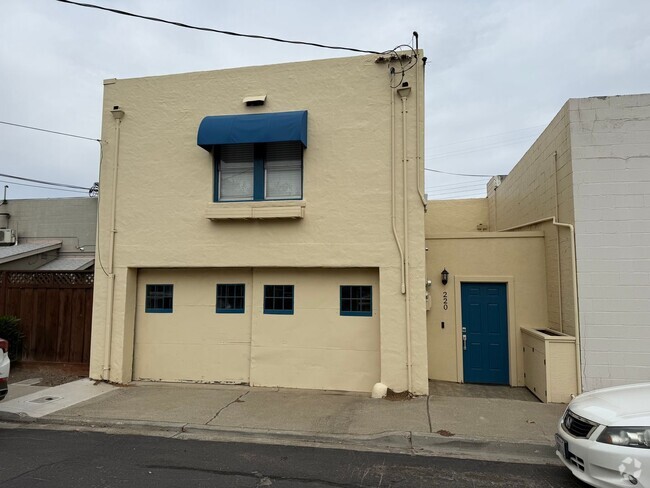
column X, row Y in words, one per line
column 257, row 157
column 254, row 172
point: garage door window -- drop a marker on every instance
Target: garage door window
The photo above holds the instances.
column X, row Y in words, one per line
column 278, row 299
column 356, row 300
column 159, row 299
column 230, row 298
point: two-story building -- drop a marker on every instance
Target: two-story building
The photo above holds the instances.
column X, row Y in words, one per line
column 265, row 225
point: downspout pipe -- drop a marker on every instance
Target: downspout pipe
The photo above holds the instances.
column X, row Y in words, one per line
column 392, row 191
column 108, row 327
column 419, row 166
column 559, row 264
column 574, row 272
column 404, row 93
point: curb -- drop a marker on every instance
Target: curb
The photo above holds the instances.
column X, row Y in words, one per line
column 403, row 442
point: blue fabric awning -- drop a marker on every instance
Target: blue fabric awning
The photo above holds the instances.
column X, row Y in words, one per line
column 251, row 128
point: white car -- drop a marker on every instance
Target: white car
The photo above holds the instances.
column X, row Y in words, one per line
column 604, row 437
column 4, row 367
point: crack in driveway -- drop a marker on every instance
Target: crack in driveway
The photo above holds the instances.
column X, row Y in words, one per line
column 236, row 400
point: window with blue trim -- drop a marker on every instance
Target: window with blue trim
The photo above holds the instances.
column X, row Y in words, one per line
column 230, row 298
column 278, row 299
column 159, row 299
column 356, row 300
column 254, row 172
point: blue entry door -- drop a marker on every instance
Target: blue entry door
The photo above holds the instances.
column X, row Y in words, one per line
column 485, row 333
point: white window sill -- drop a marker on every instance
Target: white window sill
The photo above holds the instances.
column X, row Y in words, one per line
column 281, row 209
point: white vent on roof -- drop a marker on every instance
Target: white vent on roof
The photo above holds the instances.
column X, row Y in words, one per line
column 7, row 237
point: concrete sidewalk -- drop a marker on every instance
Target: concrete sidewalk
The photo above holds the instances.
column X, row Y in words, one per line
column 445, row 423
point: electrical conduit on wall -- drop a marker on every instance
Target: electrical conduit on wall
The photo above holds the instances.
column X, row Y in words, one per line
column 108, row 329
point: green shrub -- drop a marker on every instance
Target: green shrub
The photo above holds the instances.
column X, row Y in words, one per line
column 10, row 330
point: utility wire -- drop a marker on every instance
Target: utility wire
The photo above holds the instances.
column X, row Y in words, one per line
column 490, row 136
column 50, row 131
column 474, row 149
column 457, row 184
column 457, row 174
column 218, row 31
column 45, row 187
column 44, row 182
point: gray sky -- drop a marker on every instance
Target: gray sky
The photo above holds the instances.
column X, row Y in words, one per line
column 497, row 71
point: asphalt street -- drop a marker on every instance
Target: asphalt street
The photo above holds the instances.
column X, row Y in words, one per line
column 53, row 458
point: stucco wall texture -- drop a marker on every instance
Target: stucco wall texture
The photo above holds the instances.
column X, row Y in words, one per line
column 515, row 258
column 462, row 215
column 165, row 185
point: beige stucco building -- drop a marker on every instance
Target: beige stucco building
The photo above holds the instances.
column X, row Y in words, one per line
column 287, row 249
column 268, row 226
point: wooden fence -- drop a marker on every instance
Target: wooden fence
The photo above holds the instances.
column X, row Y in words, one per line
column 55, row 312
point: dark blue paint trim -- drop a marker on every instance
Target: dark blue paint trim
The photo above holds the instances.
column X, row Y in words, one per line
column 258, row 173
column 354, row 314
column 148, row 290
column 230, row 310
column 484, row 309
column 216, row 156
column 269, row 311
column 252, row 128
column 278, row 312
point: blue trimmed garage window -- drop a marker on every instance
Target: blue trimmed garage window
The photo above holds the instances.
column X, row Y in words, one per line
column 278, row 299
column 159, row 299
column 253, row 172
column 356, row 300
column 230, row 298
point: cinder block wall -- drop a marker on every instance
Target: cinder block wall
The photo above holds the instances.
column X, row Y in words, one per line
column 610, row 146
column 72, row 220
column 531, row 192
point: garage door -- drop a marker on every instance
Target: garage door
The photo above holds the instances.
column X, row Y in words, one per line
column 299, row 328
column 190, row 341
column 316, row 346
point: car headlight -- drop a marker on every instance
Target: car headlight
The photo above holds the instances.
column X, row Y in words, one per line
column 626, row 436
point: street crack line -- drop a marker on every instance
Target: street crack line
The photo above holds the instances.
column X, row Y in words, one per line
column 49, row 465
column 256, row 475
column 236, row 400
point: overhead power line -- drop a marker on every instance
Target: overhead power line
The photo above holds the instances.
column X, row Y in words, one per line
column 64, row 185
column 49, row 131
column 457, row 174
column 489, row 136
column 44, row 187
column 218, row 31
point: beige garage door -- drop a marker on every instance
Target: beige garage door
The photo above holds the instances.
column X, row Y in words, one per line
column 192, row 342
column 314, row 346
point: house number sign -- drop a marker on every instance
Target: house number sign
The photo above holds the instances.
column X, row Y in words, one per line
column 445, row 300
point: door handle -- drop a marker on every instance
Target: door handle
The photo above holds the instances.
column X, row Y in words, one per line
column 464, row 342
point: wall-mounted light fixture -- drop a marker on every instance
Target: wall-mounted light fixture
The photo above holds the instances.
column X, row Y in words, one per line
column 445, row 276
